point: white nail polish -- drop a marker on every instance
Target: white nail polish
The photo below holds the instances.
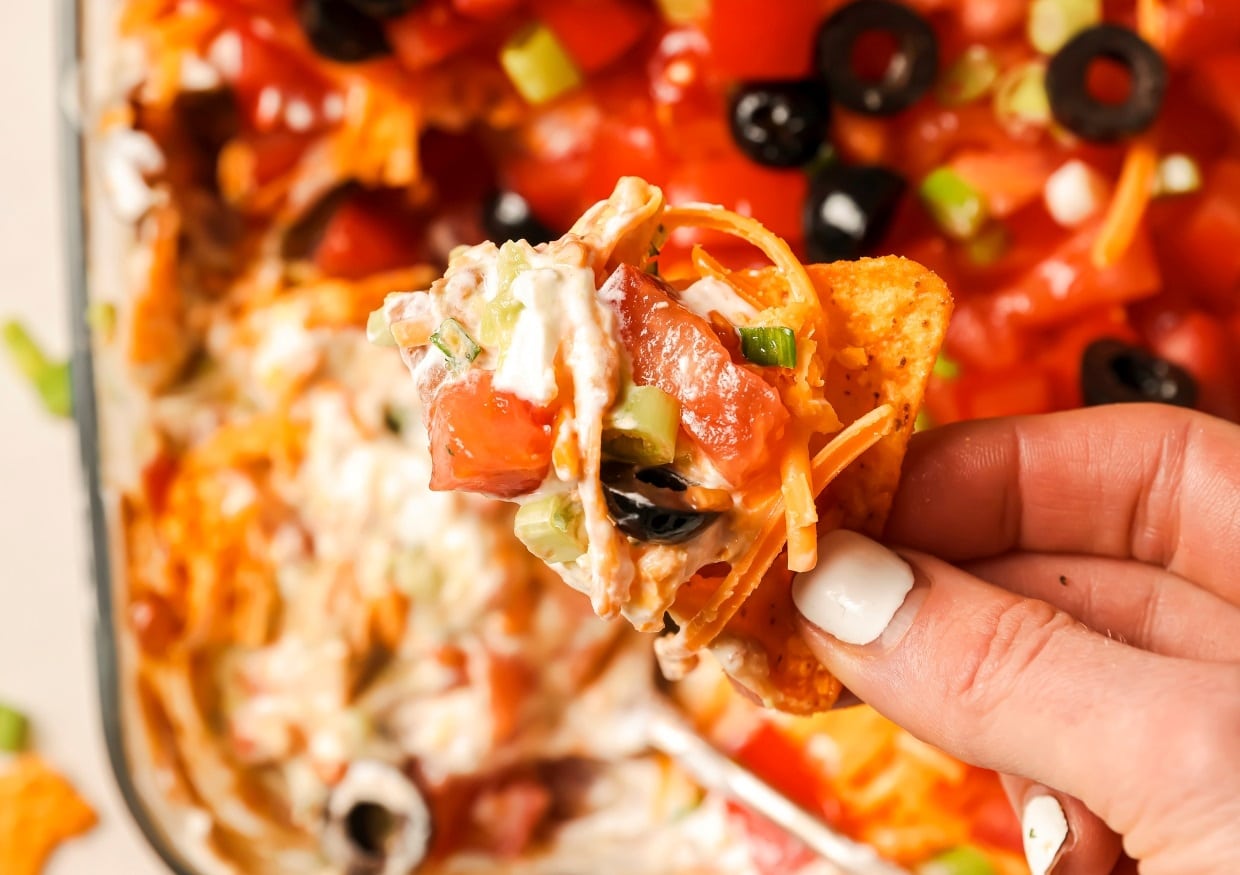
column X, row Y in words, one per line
column 856, row 588
column 1044, row 828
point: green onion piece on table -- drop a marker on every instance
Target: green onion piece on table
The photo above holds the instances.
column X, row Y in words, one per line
column 988, row 245
column 1053, row 22
column 539, row 67
column 51, row 380
column 454, row 342
column 14, row 729
column 551, row 528
column 970, row 77
column 963, row 860
column 956, row 206
column 945, row 368
column 642, row 427
column 775, row 346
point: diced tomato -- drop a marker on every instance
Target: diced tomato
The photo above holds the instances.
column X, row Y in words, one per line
column 273, row 85
column 731, row 412
column 1066, row 283
column 509, row 815
column 432, row 32
column 1206, row 249
column 595, row 32
column 772, row 851
column 758, row 39
column 1216, row 78
column 368, row 234
column 862, row 139
column 975, row 336
column 485, row 9
column 775, row 758
column 486, row 441
column 1199, row 28
column 991, row 19
column 1010, row 179
column 994, row 823
column 275, row 153
column 1200, row 344
column 1059, row 351
column 1014, row 393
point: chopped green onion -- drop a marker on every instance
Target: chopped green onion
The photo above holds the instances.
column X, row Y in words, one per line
column 538, row 65
column 454, row 342
column 956, row 206
column 1020, row 97
column 683, row 11
column 970, row 77
column 988, row 245
column 945, row 368
column 1177, row 174
column 1053, row 22
column 14, row 729
column 642, row 428
column 51, row 380
column 499, row 318
column 551, row 528
column 923, row 421
column 769, row 345
column 378, row 329
column 101, row 316
column 963, row 860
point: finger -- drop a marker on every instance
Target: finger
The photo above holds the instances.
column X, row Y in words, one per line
column 1141, row 605
column 1079, row 844
column 1148, row 482
column 989, row 676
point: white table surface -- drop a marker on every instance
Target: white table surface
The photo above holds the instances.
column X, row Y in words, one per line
column 46, row 658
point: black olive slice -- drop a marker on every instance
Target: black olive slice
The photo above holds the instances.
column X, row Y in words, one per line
column 507, row 216
column 339, row 31
column 1067, row 84
column 780, row 123
column 648, row 504
column 910, row 72
column 849, row 210
column 1115, row 372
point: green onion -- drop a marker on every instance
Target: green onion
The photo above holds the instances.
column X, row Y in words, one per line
column 683, row 11
column 971, row 76
column 454, row 342
column 923, row 421
column 1053, row 22
column 988, row 245
column 642, row 428
column 769, row 345
column 963, row 860
column 945, row 368
column 1177, row 174
column 51, row 380
column 539, row 67
column 956, row 206
column 499, row 318
column 378, row 329
column 14, row 729
column 1020, row 97
column 551, row 528
column 101, row 316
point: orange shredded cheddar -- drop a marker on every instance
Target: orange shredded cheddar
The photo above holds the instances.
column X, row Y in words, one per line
column 799, row 510
column 707, row 266
column 846, row 446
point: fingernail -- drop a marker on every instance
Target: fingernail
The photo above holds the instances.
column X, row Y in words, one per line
column 1044, row 828
column 856, row 588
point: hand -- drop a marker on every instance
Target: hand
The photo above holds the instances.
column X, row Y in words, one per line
column 1085, row 639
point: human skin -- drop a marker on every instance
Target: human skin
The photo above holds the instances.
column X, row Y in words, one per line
column 1073, row 622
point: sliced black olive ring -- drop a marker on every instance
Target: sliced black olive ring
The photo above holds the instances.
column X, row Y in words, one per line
column 649, row 504
column 1115, row 372
column 1067, row 84
column 849, row 210
column 339, row 31
column 780, row 123
column 507, row 216
column 910, row 73
column 385, row 8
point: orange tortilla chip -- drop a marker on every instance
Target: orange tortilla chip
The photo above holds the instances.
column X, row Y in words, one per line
column 895, row 312
column 39, row 809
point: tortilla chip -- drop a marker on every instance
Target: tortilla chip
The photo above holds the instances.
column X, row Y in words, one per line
column 895, row 312
column 39, row 809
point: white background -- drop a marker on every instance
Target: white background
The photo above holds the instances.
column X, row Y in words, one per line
column 46, row 660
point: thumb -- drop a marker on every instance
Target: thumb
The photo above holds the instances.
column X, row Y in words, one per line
column 993, row 678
